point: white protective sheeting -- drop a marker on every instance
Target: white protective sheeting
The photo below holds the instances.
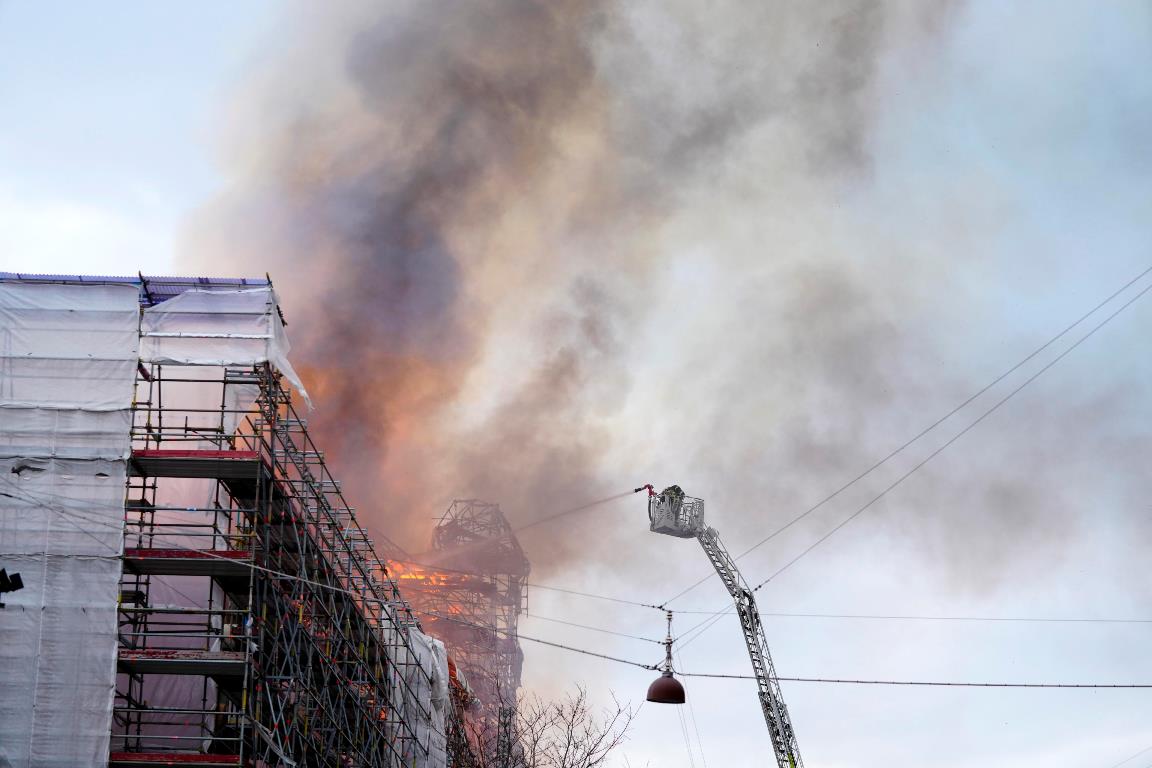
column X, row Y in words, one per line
column 68, row 356
column 219, row 327
column 429, row 682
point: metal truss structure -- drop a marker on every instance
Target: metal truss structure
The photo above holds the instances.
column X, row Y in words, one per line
column 767, row 684
column 471, row 598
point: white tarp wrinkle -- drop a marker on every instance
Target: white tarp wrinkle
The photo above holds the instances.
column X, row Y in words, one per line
column 429, row 683
column 219, row 327
column 68, row 356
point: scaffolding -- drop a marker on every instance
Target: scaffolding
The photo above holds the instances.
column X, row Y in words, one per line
column 257, row 625
column 297, row 641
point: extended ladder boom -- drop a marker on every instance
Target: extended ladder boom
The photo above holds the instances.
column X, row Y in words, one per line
column 674, row 513
column 771, row 702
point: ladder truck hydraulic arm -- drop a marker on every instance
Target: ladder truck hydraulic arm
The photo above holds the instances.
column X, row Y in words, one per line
column 673, row 513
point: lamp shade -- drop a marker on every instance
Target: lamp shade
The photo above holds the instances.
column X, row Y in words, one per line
column 666, row 690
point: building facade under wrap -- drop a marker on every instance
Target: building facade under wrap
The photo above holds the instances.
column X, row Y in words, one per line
column 196, row 589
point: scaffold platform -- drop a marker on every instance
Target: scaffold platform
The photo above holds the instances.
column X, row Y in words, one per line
column 168, row 661
column 187, row 759
column 212, row 464
column 222, row 563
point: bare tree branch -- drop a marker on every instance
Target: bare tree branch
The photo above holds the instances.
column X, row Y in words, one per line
column 568, row 733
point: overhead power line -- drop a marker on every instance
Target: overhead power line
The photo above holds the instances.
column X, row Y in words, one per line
column 687, row 741
column 703, row 626
column 831, row 680
column 654, row 667
column 916, row 438
column 1130, row 758
column 957, row 436
column 55, row 506
column 910, row 617
column 593, row 629
column 928, row 683
column 595, row 596
column 518, row 636
column 692, row 718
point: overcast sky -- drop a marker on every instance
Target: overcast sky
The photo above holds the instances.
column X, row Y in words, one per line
column 1006, row 189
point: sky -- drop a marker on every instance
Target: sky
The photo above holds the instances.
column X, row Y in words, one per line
column 111, row 120
column 800, row 320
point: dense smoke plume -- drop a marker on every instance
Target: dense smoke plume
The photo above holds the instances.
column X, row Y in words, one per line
column 462, row 207
column 440, row 174
column 533, row 251
column 540, row 253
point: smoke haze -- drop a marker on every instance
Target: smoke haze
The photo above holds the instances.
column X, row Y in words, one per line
column 543, row 253
column 540, row 252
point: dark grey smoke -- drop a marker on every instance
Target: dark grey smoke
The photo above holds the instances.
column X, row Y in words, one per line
column 474, row 212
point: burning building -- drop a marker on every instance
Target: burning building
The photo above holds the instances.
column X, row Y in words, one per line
column 197, row 589
column 469, row 591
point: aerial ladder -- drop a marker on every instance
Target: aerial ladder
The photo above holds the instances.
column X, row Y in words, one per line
column 673, row 513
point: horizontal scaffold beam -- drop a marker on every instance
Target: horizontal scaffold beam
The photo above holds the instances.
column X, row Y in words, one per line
column 182, row 662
